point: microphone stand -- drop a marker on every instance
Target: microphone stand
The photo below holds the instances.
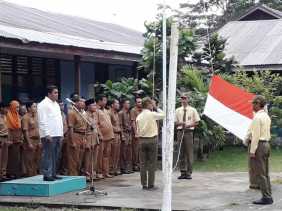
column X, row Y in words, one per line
column 91, row 190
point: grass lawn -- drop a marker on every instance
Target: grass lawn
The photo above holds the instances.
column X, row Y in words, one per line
column 233, row 159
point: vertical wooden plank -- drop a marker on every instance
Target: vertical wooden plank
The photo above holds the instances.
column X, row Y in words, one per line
column 44, row 72
column 77, row 73
column 0, row 85
column 14, row 77
column 30, row 78
column 58, row 76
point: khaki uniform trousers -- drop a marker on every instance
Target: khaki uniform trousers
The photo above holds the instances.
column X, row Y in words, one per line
column 115, row 147
column 261, row 168
column 186, row 151
column 75, row 151
column 126, row 152
column 135, row 152
column 252, row 177
column 148, row 160
column 104, row 156
column 3, row 156
column 31, row 157
column 90, row 156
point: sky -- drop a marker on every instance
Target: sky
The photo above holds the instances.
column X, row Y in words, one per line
column 129, row 13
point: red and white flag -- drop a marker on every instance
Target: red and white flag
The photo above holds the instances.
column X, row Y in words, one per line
column 229, row 106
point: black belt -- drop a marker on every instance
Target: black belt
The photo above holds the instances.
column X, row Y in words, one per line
column 148, row 137
column 80, row 132
column 186, row 130
column 263, row 141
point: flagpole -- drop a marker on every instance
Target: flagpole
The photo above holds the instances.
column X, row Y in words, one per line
column 164, row 82
column 168, row 150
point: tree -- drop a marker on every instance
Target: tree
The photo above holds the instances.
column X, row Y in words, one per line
column 263, row 83
column 219, row 12
column 213, row 54
column 127, row 88
column 152, row 51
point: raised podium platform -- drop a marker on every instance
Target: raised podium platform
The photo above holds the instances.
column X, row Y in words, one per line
column 35, row 186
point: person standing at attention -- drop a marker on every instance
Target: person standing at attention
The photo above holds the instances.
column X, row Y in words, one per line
column 135, row 141
column 187, row 118
column 15, row 137
column 51, row 132
column 260, row 149
column 32, row 147
column 4, row 144
column 147, row 131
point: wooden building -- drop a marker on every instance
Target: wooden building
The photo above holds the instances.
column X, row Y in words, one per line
column 39, row 48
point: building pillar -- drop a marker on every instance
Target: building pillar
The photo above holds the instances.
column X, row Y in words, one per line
column 77, row 74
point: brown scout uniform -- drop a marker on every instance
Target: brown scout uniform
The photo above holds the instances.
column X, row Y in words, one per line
column 116, row 142
column 64, row 157
column 91, row 149
column 135, row 142
column 76, row 143
column 106, row 134
column 3, row 147
column 31, row 156
column 15, row 137
column 126, row 141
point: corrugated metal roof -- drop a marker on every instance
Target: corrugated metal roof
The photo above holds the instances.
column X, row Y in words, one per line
column 34, row 24
column 26, row 35
column 254, row 42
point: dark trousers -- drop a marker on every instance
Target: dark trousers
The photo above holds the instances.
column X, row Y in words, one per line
column 186, row 151
column 252, row 169
column 261, row 168
column 135, row 152
column 148, row 160
column 14, row 167
column 3, row 157
column 126, row 152
column 50, row 155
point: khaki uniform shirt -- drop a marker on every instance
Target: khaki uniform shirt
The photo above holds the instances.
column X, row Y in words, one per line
column 65, row 123
column 192, row 116
column 146, row 122
column 30, row 124
column 91, row 132
column 105, row 125
column 3, row 126
column 125, row 122
column 133, row 115
column 15, row 135
column 76, row 122
column 259, row 129
column 115, row 121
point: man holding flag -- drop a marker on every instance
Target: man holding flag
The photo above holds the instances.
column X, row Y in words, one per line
column 260, row 149
column 231, row 107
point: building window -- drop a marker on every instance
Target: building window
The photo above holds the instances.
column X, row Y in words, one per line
column 25, row 78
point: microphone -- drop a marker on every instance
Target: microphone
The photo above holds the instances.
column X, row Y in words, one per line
column 70, row 101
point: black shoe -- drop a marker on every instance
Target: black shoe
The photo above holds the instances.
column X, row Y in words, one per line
column 136, row 168
column 145, row 188
column 48, row 179
column 57, row 177
column 264, row 201
column 127, row 172
column 255, row 187
column 182, row 176
column 152, row 188
column 188, row 177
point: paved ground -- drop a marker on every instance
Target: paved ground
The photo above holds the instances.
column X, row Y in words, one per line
column 207, row 191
